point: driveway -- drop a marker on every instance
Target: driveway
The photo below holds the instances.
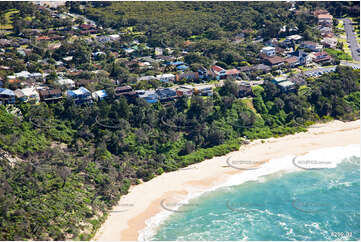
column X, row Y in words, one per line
column 350, row 64
column 319, row 71
column 351, row 39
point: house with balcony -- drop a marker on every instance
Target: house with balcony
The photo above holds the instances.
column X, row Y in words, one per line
column 284, row 84
column 184, row 90
column 7, row 96
column 125, row 91
column 29, row 95
column 166, row 94
column 50, row 95
column 149, row 96
column 80, row 96
column 203, row 90
column 292, row 61
column 321, row 57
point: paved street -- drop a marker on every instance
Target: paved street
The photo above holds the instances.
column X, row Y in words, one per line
column 351, row 39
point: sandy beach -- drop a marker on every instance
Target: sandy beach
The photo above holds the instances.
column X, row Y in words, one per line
column 144, row 200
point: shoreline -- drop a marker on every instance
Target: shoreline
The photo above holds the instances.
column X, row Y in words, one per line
column 146, row 198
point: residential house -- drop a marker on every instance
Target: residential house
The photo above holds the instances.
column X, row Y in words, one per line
column 7, row 96
column 148, row 95
column 325, row 19
column 296, row 38
column 22, row 74
column 272, row 42
column 51, row 95
column 146, row 78
column 203, row 90
column 292, row 61
column 320, row 11
column 297, row 79
column 27, row 95
column 166, row 94
column 329, row 42
column 203, row 73
column 123, row 89
column 325, row 30
column 69, row 83
column 254, row 68
column 269, row 51
column 188, row 76
column 219, row 72
column 232, row 73
column 158, row 51
column 274, row 61
column 99, row 95
column 184, row 91
column 303, row 57
column 127, row 92
column 284, row 84
column 166, row 77
column 321, row 57
column 87, row 26
column 80, row 95
column 280, row 51
column 311, row 46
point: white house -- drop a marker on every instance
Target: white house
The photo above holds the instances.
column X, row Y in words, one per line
column 329, row 42
column 28, row 95
column 311, row 45
column 166, row 77
column 269, row 51
column 66, row 82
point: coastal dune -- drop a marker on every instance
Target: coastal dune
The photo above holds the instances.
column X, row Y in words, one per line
column 147, row 199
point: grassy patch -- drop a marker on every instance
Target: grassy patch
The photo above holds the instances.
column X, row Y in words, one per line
column 340, row 25
column 8, row 20
column 339, row 54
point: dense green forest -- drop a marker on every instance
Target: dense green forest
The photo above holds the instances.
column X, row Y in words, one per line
column 170, row 23
column 76, row 161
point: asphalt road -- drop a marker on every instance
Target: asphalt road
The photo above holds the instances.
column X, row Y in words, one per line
column 351, row 39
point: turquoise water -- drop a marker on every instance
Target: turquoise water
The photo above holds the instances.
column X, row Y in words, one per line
column 303, row 205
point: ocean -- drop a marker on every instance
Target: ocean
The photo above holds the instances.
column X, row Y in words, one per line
column 310, row 197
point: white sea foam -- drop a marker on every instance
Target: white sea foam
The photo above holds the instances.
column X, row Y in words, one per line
column 330, row 157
